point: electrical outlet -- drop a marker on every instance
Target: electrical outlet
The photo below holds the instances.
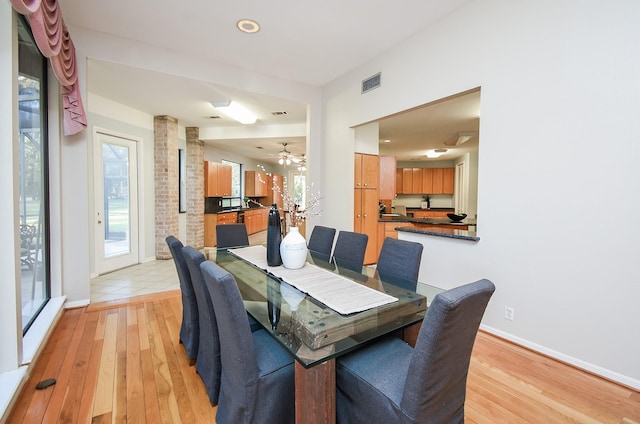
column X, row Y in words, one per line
column 508, row 313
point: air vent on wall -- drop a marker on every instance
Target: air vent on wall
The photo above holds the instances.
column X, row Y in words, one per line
column 279, row 113
column 371, row 83
column 215, row 117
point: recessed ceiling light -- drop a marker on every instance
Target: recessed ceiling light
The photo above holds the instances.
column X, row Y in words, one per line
column 248, row 25
column 386, row 141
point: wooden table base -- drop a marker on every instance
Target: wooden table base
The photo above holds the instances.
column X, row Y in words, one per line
column 316, row 393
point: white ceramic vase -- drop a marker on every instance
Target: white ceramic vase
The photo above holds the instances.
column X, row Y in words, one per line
column 293, row 249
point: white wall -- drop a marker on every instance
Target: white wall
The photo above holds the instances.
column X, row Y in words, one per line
column 557, row 166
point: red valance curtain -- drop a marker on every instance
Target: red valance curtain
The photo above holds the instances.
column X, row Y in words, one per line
column 54, row 42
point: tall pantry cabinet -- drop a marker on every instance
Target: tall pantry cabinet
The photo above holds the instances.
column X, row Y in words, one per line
column 367, row 171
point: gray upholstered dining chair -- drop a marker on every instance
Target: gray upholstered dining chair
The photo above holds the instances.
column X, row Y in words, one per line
column 189, row 329
column 321, row 239
column 208, row 358
column 231, row 235
column 390, row 382
column 399, row 258
column 257, row 382
column 350, row 249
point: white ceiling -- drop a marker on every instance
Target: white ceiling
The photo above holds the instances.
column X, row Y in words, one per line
column 312, row 43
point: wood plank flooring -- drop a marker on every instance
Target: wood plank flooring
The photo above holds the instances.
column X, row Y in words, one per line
column 122, row 362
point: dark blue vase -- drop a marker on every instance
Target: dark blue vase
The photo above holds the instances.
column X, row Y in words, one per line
column 274, row 237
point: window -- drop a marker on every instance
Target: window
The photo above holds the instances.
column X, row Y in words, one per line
column 236, row 178
column 299, row 189
column 33, row 182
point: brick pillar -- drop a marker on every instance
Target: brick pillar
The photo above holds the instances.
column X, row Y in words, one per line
column 195, row 188
column 165, row 149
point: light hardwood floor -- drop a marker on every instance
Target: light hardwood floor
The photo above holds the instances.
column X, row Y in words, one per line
column 120, row 361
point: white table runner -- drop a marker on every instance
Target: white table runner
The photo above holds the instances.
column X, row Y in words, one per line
column 337, row 292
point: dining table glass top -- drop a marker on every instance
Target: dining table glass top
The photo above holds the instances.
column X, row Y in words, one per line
column 309, row 329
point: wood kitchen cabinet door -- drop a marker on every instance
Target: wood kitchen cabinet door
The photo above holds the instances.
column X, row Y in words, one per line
column 275, row 192
column 448, row 180
column 407, row 180
column 210, row 222
column 417, row 181
column 224, row 180
column 366, row 171
column 255, row 184
column 217, row 179
column 399, row 179
column 427, row 180
column 387, row 185
column 366, row 220
column 438, row 177
column 210, row 179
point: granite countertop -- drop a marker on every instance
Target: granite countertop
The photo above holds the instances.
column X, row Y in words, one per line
column 442, row 232
column 435, row 221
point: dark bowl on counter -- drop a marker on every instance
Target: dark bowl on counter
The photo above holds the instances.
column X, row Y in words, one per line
column 456, row 218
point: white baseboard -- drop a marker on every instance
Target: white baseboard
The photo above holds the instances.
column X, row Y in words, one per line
column 77, row 303
column 594, row 369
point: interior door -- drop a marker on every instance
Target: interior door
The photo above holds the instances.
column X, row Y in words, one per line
column 116, row 195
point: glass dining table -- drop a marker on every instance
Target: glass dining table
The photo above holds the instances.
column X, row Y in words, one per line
column 293, row 306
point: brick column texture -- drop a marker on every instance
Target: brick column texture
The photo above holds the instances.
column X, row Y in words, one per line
column 195, row 188
column 166, row 182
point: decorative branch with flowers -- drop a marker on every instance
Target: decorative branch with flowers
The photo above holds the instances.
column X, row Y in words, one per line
column 292, row 199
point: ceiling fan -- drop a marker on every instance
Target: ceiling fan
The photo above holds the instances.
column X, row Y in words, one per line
column 286, row 157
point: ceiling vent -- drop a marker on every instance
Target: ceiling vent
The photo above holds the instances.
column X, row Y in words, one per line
column 279, row 113
column 215, row 117
column 371, row 83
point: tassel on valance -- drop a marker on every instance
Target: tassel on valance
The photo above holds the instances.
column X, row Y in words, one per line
column 53, row 40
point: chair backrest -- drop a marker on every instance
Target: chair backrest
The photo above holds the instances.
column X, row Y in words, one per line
column 175, row 246
column 436, row 384
column 231, row 235
column 208, row 363
column 350, row 249
column 321, row 239
column 190, row 328
column 237, row 351
column 399, row 258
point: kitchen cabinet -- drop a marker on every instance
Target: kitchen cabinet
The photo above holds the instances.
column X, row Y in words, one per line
column 217, row 179
column 407, row 181
column 256, row 184
column 448, row 180
column 399, row 181
column 416, row 187
column 425, row 180
column 365, row 219
column 211, row 220
column 367, row 171
column 256, row 220
column 275, row 192
column 387, row 184
column 443, row 181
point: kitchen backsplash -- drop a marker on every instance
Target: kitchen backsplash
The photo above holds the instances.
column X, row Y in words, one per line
column 414, row 201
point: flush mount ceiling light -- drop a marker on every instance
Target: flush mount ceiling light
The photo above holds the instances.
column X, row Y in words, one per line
column 248, row 25
column 463, row 137
column 235, row 111
column 435, row 153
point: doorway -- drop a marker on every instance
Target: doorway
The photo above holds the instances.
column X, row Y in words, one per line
column 116, row 198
